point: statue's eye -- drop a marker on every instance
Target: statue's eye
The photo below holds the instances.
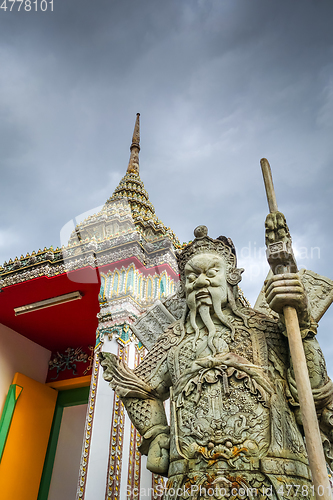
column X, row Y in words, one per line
column 211, row 273
column 191, row 277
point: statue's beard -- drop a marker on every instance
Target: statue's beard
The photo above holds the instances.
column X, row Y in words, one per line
column 198, row 306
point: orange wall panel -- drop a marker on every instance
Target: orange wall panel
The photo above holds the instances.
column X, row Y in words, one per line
column 23, row 458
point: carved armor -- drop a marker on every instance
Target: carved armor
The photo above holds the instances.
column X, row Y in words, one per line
column 235, row 427
column 233, row 414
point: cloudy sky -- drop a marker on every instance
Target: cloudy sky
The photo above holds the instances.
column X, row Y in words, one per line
column 219, row 84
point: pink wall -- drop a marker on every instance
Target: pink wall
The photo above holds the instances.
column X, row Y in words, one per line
column 19, row 354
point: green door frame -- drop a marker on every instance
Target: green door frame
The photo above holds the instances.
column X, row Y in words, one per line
column 71, row 397
column 7, row 414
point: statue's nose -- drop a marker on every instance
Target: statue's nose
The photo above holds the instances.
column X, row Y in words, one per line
column 201, row 281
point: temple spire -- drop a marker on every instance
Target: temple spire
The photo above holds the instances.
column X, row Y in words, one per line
column 131, row 190
column 133, row 164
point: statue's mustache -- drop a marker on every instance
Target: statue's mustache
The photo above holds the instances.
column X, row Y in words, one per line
column 217, row 297
column 195, row 294
column 194, row 297
column 203, row 291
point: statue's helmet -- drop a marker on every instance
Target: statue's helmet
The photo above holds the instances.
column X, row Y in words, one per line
column 202, row 243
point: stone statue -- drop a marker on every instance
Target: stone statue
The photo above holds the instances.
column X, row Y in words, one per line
column 235, row 429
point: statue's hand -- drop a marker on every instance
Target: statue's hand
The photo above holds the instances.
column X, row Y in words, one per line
column 158, row 455
column 287, row 290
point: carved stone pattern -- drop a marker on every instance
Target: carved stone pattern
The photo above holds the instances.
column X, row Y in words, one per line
column 87, row 431
column 262, row 306
column 175, row 305
column 185, row 354
column 278, row 351
column 242, row 344
column 228, row 481
column 147, row 330
column 259, row 344
column 276, row 247
column 260, row 326
column 156, row 356
column 315, row 360
column 116, row 441
column 151, row 325
column 319, row 292
column 140, row 412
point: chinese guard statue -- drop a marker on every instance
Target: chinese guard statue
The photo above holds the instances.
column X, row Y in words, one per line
column 235, row 426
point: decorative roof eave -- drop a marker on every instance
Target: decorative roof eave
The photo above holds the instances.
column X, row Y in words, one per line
column 90, row 253
column 48, row 255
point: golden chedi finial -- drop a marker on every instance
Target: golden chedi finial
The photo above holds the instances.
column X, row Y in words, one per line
column 133, row 164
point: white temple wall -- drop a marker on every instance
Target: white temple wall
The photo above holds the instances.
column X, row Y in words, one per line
column 131, row 355
column 100, row 437
column 19, row 354
column 145, row 479
column 67, row 459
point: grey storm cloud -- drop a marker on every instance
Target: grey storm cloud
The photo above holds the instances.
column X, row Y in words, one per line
column 219, row 84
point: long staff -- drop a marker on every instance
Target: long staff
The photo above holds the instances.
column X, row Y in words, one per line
column 322, row 488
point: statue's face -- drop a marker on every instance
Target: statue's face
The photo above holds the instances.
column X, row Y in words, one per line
column 205, row 280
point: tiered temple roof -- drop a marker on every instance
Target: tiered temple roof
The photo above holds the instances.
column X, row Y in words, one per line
column 127, row 215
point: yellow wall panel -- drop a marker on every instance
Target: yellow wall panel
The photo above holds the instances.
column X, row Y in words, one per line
column 23, row 457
